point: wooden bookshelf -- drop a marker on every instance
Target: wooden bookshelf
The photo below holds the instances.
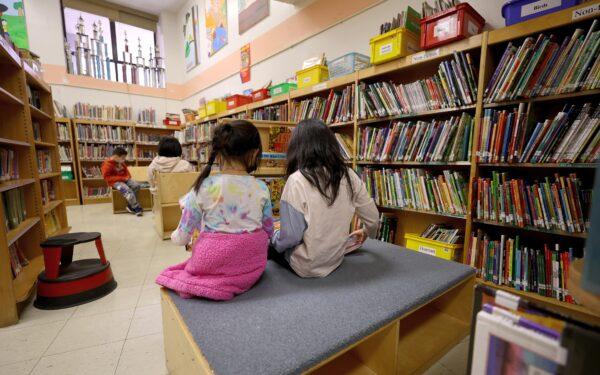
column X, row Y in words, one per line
column 70, row 187
column 141, row 130
column 17, row 134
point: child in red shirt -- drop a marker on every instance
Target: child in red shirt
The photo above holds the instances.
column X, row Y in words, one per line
column 116, row 175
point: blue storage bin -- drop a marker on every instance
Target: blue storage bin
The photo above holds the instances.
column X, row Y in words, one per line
column 349, row 63
column 515, row 11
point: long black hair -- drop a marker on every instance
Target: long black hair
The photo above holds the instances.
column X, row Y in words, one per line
column 237, row 140
column 169, row 146
column 315, row 152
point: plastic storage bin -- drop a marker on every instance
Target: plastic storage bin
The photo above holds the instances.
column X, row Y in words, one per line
column 311, row 76
column 394, row 44
column 237, row 100
column 456, row 23
column 516, row 11
column 260, row 94
column 436, row 248
column 282, row 88
column 202, row 112
column 215, row 106
column 349, row 63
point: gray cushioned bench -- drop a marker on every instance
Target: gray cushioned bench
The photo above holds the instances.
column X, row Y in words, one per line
column 385, row 310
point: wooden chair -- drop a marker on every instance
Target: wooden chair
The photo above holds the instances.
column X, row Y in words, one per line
column 170, row 187
column 139, row 174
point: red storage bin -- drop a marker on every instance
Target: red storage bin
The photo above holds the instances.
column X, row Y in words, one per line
column 237, row 100
column 459, row 22
column 260, row 94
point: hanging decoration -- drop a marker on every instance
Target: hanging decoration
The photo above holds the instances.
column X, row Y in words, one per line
column 245, row 63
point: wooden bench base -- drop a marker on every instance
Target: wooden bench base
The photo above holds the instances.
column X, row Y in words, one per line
column 409, row 345
column 119, row 203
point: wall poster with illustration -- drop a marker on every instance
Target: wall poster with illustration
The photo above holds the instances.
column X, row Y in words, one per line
column 12, row 17
column 216, row 25
column 191, row 36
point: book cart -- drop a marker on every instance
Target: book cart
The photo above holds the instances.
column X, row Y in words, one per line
column 66, row 141
column 26, row 220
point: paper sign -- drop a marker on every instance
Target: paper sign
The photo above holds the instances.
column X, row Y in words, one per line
column 539, row 6
column 425, row 55
column 320, row 86
column 586, row 11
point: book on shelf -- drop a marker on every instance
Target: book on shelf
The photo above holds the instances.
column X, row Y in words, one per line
column 145, row 154
column 9, row 164
column 275, row 185
column 51, row 222
column 454, row 85
column 408, row 19
column 48, row 192
column 437, row 7
column 33, row 95
column 346, row 145
column 530, row 267
column 545, row 66
column 147, row 116
column 572, row 135
column 417, row 189
column 443, row 233
column 387, row 228
column 147, row 137
column 15, row 209
column 102, row 112
column 279, row 138
column 93, row 171
column 101, row 151
column 66, row 172
column 104, row 133
column 558, row 203
column 63, row 133
column 65, row 153
column 335, row 108
column 96, row 191
column 199, row 132
column 44, row 159
column 37, row 135
column 18, row 260
column 278, row 112
column 60, row 110
column 419, row 141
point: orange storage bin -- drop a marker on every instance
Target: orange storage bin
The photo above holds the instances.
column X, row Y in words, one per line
column 456, row 23
column 235, row 101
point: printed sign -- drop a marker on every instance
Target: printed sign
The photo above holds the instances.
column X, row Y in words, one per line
column 426, row 250
column 425, row 55
column 539, row 6
column 586, row 11
column 385, row 49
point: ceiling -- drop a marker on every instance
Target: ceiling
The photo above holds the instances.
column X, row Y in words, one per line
column 151, row 6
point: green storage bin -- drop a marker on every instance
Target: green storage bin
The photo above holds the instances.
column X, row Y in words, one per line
column 282, row 88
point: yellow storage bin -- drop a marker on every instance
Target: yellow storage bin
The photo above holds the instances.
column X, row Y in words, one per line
column 215, row 107
column 436, row 248
column 312, row 76
column 202, row 112
column 394, row 44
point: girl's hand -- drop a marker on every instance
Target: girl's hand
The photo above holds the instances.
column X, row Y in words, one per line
column 360, row 235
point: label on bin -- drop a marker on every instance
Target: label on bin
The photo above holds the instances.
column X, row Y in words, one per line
column 539, row 6
column 306, row 79
column 586, row 11
column 425, row 55
column 445, row 28
column 426, row 250
column 277, row 90
column 320, row 86
column 385, row 49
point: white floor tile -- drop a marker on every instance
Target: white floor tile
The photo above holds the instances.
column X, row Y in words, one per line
column 32, row 316
column 147, row 320
column 17, row 345
column 120, row 299
column 93, row 330
column 96, row 360
column 150, row 295
column 143, row 356
column 19, row 368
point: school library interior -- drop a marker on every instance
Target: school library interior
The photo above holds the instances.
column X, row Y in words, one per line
column 299, row 186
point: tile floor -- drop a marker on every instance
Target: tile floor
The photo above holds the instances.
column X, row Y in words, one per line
column 122, row 332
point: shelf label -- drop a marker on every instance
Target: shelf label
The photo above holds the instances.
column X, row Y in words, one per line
column 539, row 6
column 319, row 87
column 385, row 49
column 268, row 101
column 586, row 11
column 425, row 55
column 426, row 250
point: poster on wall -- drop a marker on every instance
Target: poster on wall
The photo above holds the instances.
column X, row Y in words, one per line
column 12, row 17
column 245, row 63
column 250, row 13
column 216, row 24
column 190, row 35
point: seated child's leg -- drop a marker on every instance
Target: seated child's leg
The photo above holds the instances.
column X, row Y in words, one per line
column 133, row 185
column 128, row 194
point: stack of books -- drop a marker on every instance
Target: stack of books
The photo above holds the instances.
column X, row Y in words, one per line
column 44, row 160
column 417, row 189
column 271, row 113
column 551, row 205
column 419, row 141
column 541, row 66
column 9, row 165
column 541, row 269
column 387, row 228
column 442, row 233
column 454, row 85
column 335, row 108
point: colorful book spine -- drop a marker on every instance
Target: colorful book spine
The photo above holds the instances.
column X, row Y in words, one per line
column 9, row 165
column 387, row 228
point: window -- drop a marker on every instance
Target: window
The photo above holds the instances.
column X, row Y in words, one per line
column 95, row 46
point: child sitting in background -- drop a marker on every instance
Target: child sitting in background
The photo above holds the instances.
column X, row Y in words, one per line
column 116, row 175
column 232, row 211
column 168, row 160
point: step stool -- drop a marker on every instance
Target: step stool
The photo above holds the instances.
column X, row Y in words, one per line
column 66, row 283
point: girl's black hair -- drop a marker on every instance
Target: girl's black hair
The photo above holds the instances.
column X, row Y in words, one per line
column 315, row 152
column 169, row 146
column 237, row 140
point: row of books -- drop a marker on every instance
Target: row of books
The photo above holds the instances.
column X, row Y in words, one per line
column 571, row 136
column 190, row 152
column 147, row 137
column 33, row 95
column 92, row 171
column 541, row 66
column 9, row 164
column 63, row 133
column 541, row 268
column 346, row 145
column 18, row 260
column 48, row 193
column 44, row 160
column 277, row 112
column 200, row 132
column 335, row 108
column 454, row 85
column 558, row 204
column 147, row 116
column 420, row 141
column 100, row 152
column 60, row 110
column 102, row 112
column 437, row 7
column 417, row 189
column 442, row 233
column 145, row 154
column 387, row 228
column 65, row 153
column 15, row 209
column 96, row 191
column 103, row 133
